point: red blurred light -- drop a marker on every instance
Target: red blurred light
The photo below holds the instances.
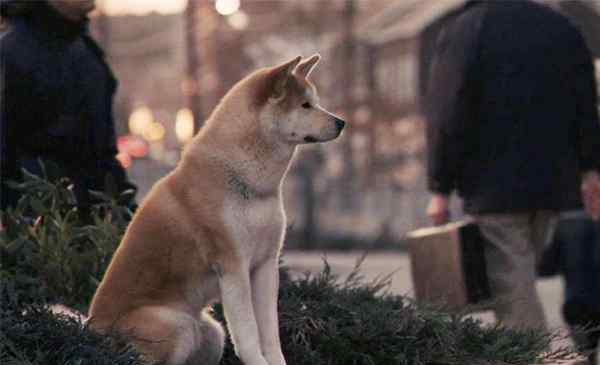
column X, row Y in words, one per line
column 133, row 146
column 124, row 159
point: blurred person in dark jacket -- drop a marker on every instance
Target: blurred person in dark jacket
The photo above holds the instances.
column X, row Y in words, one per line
column 574, row 253
column 56, row 95
column 513, row 128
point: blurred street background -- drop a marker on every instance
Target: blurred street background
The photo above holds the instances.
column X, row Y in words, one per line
column 175, row 59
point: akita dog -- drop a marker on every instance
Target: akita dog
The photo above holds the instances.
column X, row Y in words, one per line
column 213, row 228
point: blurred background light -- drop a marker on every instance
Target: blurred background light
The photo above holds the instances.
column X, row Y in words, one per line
column 238, row 20
column 124, row 159
column 140, row 119
column 140, row 7
column 227, row 7
column 155, row 132
column 134, row 146
column 184, row 125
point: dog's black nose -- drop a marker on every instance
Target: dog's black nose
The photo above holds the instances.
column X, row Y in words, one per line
column 340, row 124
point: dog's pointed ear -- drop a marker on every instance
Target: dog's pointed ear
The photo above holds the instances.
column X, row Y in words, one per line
column 281, row 75
column 305, row 68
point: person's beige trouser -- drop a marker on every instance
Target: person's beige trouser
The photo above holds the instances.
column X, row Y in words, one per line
column 516, row 242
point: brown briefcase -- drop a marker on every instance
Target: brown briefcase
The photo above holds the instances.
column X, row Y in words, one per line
column 448, row 265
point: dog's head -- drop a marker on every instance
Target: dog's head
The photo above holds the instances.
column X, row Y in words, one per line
column 290, row 109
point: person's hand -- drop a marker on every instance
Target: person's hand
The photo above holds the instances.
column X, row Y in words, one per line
column 438, row 209
column 590, row 193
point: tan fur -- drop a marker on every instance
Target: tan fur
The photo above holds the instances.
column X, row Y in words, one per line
column 212, row 229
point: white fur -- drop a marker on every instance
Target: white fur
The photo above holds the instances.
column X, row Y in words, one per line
column 258, row 226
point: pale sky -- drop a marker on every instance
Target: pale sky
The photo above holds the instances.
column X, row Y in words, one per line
column 119, row 7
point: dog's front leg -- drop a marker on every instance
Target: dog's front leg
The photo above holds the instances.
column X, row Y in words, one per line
column 265, row 291
column 236, row 297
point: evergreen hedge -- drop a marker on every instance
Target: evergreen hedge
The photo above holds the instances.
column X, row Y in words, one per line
column 30, row 334
column 326, row 321
column 50, row 253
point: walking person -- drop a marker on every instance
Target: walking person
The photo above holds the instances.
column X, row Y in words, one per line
column 513, row 128
column 574, row 254
column 56, row 94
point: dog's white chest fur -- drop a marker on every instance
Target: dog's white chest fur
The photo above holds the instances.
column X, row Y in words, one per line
column 256, row 226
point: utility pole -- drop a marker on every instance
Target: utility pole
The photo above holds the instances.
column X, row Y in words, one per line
column 191, row 85
column 371, row 128
column 347, row 82
column 312, row 158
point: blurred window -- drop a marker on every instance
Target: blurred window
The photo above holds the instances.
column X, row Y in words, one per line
column 397, row 77
column 408, row 70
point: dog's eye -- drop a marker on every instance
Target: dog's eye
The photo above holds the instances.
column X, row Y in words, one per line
column 306, row 105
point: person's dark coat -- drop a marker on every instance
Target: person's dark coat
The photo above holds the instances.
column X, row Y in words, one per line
column 574, row 252
column 511, row 109
column 57, row 93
